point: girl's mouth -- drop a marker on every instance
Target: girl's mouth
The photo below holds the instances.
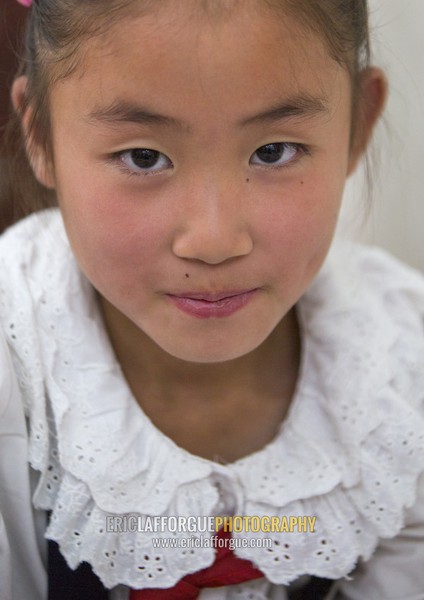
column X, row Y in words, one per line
column 205, row 305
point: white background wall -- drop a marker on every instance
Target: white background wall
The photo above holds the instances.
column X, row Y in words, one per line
column 396, row 220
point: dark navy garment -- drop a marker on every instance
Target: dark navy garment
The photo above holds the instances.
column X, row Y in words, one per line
column 66, row 584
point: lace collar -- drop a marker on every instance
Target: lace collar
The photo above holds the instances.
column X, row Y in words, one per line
column 349, row 452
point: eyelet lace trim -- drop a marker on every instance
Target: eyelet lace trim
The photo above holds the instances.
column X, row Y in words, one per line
column 349, row 452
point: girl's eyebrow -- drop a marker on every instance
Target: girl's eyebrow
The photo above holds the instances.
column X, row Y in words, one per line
column 301, row 106
column 128, row 112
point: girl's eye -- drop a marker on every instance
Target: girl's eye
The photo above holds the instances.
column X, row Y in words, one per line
column 144, row 161
column 276, row 154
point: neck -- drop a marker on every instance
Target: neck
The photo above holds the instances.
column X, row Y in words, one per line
column 270, row 369
column 220, row 411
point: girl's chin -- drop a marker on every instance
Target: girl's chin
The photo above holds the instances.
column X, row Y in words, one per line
column 211, row 351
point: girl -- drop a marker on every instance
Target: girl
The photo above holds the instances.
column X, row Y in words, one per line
column 178, row 344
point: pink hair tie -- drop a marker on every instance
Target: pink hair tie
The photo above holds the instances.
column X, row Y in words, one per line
column 25, row 2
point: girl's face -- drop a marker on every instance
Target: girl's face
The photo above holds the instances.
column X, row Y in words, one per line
column 199, row 163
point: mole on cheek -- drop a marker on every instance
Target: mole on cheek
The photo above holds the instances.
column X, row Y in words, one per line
column 247, row 180
column 187, row 275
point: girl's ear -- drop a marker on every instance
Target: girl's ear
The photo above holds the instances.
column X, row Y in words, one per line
column 37, row 156
column 371, row 99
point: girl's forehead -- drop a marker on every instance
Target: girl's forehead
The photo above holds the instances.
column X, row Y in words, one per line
column 188, row 32
column 231, row 62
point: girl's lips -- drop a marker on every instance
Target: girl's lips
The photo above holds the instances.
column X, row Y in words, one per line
column 206, row 305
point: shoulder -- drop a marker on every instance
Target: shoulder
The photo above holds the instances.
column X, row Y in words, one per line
column 39, row 280
column 34, row 257
column 367, row 287
column 30, row 242
column 371, row 272
column 28, row 252
column 390, row 296
column 384, row 274
column 364, row 318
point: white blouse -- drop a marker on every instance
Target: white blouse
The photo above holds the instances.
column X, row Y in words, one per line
column 350, row 452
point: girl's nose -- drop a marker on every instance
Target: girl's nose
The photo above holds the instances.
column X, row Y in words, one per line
column 213, row 229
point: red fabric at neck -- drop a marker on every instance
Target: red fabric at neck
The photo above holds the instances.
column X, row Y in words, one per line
column 226, row 570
